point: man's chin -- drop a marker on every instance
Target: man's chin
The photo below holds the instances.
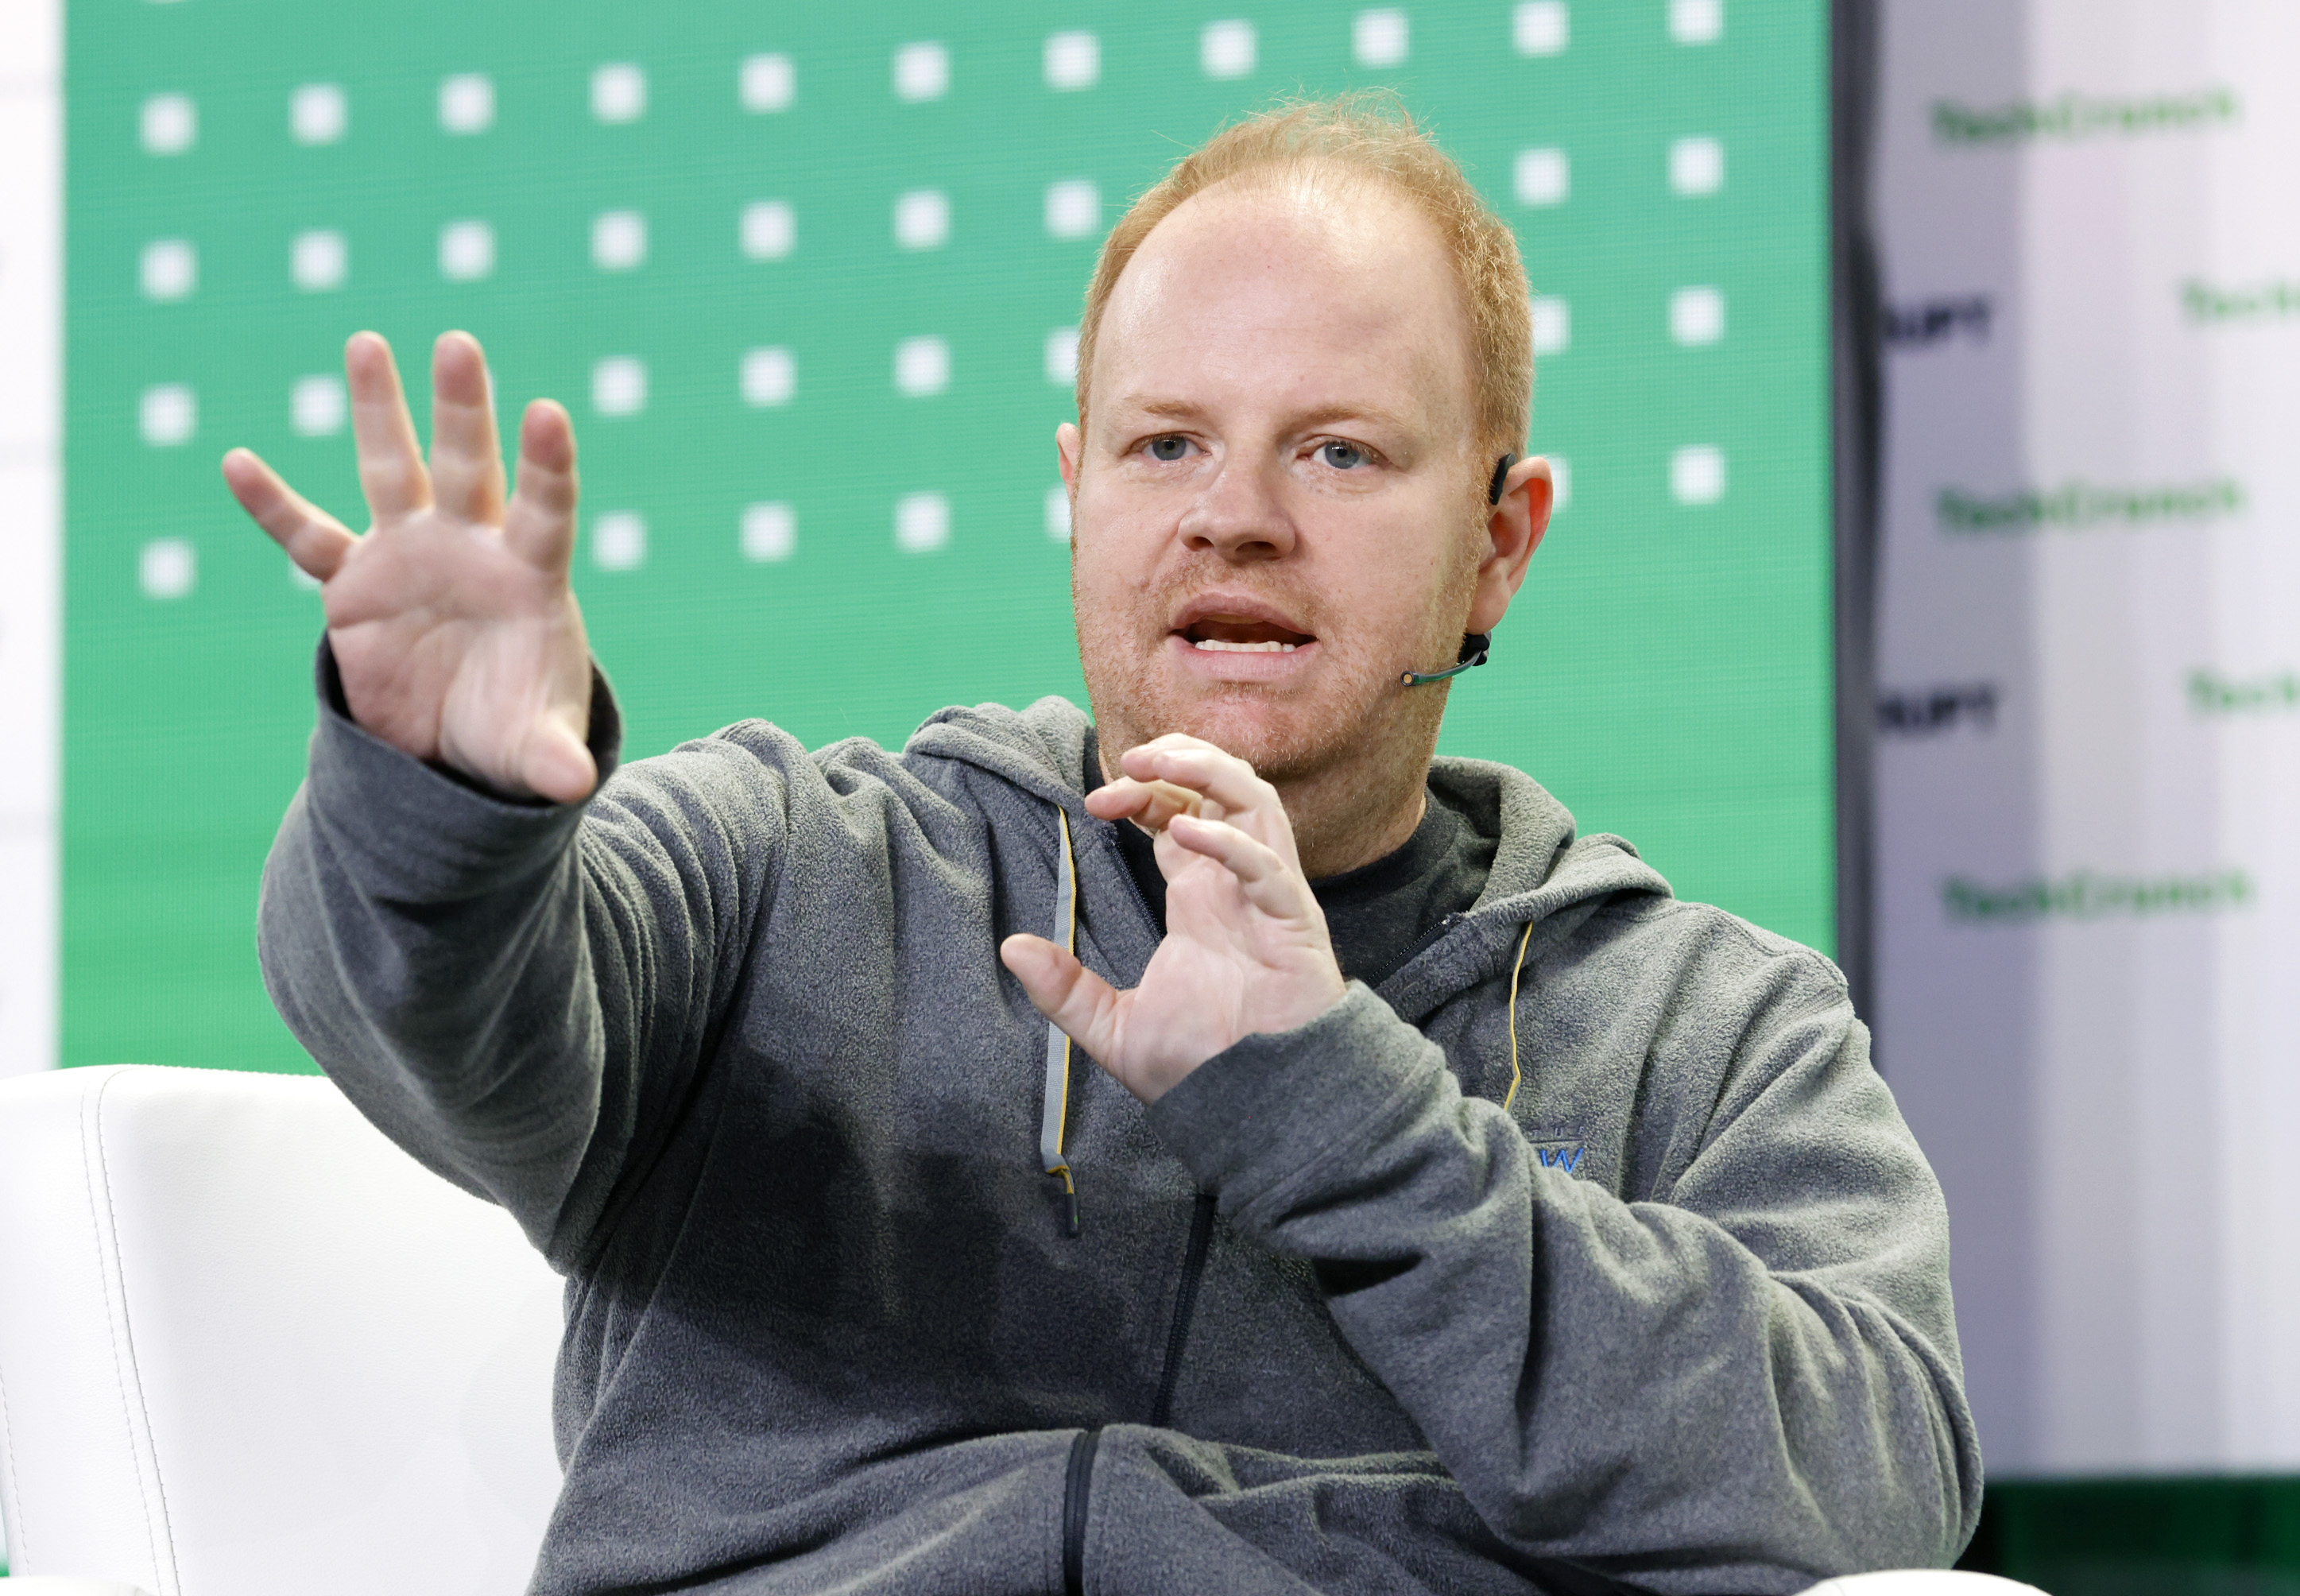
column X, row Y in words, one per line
column 1282, row 738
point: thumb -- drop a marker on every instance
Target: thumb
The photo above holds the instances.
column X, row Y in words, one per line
column 1082, row 1005
column 556, row 765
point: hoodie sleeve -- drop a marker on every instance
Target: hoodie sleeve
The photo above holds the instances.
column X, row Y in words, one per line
column 1747, row 1382
column 517, row 993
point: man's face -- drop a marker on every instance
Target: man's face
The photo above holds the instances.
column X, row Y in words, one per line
column 1277, row 508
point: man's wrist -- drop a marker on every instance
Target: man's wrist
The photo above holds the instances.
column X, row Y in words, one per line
column 1273, row 1104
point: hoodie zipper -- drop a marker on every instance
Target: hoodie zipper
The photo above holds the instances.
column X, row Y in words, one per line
column 1078, row 1481
column 1193, row 1267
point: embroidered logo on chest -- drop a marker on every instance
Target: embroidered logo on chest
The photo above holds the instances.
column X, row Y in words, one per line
column 1559, row 1155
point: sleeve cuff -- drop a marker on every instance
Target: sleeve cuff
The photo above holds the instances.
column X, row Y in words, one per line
column 1269, row 1108
column 421, row 830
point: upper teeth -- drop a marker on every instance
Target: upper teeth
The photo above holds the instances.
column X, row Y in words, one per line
column 1271, row 648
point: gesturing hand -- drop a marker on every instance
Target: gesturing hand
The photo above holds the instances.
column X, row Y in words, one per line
column 454, row 625
column 1245, row 949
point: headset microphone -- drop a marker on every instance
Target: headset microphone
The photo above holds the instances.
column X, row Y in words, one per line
column 1476, row 646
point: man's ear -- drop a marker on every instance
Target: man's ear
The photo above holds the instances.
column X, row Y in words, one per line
column 1514, row 531
column 1068, row 444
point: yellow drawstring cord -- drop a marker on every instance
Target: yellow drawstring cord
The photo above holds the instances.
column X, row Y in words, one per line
column 1516, row 970
column 1054, row 1117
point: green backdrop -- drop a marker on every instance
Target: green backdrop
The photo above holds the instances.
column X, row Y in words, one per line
column 1667, row 671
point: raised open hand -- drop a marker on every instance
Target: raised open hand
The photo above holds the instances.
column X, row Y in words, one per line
column 455, row 628
column 1245, row 949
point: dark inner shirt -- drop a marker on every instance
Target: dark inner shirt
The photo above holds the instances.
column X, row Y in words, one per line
column 1379, row 914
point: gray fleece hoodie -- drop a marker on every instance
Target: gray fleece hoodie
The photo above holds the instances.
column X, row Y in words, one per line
column 732, row 1043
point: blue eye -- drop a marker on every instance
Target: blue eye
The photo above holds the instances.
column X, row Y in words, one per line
column 1167, row 448
column 1340, row 455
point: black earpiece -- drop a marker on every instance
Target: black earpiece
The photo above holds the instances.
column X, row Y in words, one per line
column 1475, row 647
column 1500, row 474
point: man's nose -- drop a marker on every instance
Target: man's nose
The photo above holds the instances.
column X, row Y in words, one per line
column 1241, row 515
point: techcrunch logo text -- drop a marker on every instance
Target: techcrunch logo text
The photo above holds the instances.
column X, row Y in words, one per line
column 2082, row 116
column 2075, row 505
column 2212, row 694
column 2252, row 302
column 2090, row 895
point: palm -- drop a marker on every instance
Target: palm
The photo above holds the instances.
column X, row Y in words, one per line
column 454, row 630
column 1245, row 949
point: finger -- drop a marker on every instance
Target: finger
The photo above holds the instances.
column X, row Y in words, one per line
column 467, row 473
column 1201, row 767
column 1150, row 804
column 556, row 764
column 314, row 540
column 540, row 523
column 390, row 466
column 1082, row 1005
column 1267, row 881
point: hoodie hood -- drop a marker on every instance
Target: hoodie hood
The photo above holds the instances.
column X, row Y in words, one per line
column 1544, row 876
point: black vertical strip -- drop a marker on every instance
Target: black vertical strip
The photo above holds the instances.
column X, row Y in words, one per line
column 1856, row 337
column 1185, row 1302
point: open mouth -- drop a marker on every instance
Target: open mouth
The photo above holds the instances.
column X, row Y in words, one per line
column 1239, row 634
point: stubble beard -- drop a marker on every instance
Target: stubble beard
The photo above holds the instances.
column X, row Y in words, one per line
column 1346, row 754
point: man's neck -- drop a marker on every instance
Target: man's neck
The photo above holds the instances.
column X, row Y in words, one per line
column 1342, row 819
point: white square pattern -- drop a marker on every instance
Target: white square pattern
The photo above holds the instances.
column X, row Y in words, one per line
column 1696, row 474
column 318, row 114
column 1073, row 61
column 319, row 260
column 168, row 568
column 1697, row 22
column 619, row 240
column 467, row 102
column 619, row 92
column 769, row 377
column 922, row 218
column 619, row 385
column 1074, row 208
column 168, row 414
column 770, row 229
column 1697, row 166
column 1061, row 355
column 169, row 124
column 766, row 83
column 921, row 367
column 1544, row 177
column 170, row 269
column 1697, row 316
column 1561, row 478
column 1553, row 324
column 922, row 72
column 316, row 406
column 1227, row 49
column 770, row 532
column 921, row 522
column 618, row 540
column 1541, row 27
column 1379, row 38
column 467, row 251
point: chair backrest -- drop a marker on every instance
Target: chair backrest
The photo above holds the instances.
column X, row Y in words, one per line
column 248, row 1348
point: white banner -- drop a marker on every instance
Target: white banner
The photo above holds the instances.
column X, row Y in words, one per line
column 2088, row 762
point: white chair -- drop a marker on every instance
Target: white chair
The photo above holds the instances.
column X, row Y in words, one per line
column 248, row 1348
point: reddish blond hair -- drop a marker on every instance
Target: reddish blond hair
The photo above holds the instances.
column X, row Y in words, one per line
column 1369, row 134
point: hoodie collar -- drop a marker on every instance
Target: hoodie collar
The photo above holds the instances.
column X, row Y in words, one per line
column 1543, row 872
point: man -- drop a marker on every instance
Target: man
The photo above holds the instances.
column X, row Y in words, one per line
column 1452, row 1209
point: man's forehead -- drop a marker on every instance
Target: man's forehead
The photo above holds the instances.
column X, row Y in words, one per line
column 1332, row 295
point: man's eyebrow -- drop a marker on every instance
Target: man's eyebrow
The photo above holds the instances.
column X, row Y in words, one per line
column 1173, row 409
